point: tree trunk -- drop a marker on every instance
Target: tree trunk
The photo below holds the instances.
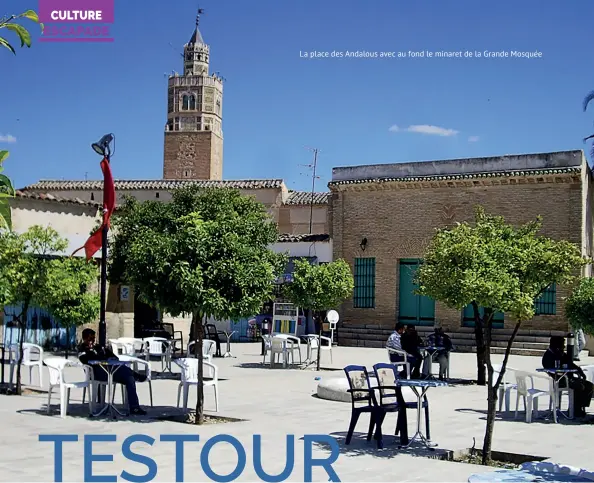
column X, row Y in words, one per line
column 491, row 391
column 319, row 358
column 198, row 326
column 23, row 327
column 480, row 346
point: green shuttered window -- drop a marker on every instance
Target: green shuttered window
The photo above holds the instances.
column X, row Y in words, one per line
column 546, row 304
column 364, row 297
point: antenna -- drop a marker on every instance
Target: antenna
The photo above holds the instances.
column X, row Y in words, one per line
column 86, row 177
column 313, row 167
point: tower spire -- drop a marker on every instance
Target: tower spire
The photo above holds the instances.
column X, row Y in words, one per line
column 197, row 36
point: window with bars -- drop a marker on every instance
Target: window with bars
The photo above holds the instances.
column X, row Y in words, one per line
column 546, row 304
column 364, row 296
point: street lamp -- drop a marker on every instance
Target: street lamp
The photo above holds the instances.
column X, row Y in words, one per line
column 102, row 147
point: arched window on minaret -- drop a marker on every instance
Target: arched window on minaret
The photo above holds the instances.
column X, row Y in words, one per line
column 192, row 103
column 185, row 103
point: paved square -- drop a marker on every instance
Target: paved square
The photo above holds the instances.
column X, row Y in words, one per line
column 277, row 402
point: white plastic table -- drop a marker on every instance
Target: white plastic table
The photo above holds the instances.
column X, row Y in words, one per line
column 229, row 335
column 110, row 367
column 558, row 375
column 430, row 351
column 420, row 388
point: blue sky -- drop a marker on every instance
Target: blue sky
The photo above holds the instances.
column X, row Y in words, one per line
column 58, row 98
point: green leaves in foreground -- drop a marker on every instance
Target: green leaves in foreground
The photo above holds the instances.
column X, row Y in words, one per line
column 22, row 33
column 6, row 191
column 579, row 306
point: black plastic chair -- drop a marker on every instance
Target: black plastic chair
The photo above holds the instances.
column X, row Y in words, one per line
column 213, row 334
column 363, row 401
column 391, row 399
column 175, row 336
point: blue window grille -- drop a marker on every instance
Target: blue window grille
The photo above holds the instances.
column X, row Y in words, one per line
column 546, row 304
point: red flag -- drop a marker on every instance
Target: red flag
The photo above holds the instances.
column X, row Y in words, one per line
column 93, row 244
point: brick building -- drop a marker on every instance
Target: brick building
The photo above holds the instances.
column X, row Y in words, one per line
column 383, row 217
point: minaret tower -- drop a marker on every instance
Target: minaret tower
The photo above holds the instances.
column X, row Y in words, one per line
column 194, row 133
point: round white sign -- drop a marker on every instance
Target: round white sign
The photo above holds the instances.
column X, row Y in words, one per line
column 332, row 316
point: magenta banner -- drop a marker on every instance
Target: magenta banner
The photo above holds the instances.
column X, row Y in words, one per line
column 76, row 11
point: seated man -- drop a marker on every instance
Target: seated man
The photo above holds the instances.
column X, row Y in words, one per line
column 89, row 351
column 411, row 342
column 438, row 339
column 556, row 357
column 394, row 342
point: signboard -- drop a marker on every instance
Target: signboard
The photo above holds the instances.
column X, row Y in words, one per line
column 124, row 293
column 285, row 319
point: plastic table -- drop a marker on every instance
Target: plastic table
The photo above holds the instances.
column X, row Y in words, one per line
column 430, row 351
column 558, row 375
column 110, row 367
column 420, row 388
column 229, row 335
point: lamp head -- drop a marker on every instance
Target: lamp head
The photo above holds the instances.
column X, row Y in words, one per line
column 102, row 146
column 363, row 244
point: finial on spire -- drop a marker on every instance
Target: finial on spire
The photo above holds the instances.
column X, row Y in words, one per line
column 200, row 11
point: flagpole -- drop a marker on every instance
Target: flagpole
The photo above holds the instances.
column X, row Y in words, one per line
column 102, row 324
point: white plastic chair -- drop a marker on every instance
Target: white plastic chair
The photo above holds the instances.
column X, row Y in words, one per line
column 589, row 372
column 56, row 366
column 282, row 345
column 189, row 377
column 147, row 371
column 313, row 344
column 528, row 393
column 267, row 338
column 32, row 357
column 505, row 388
column 404, row 364
column 128, row 346
column 158, row 347
column 208, row 350
column 556, row 399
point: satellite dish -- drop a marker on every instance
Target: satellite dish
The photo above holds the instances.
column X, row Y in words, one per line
column 332, row 316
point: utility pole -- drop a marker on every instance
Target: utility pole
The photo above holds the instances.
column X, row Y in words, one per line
column 314, row 167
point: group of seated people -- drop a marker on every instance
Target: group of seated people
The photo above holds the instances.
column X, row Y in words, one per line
column 556, row 358
column 405, row 338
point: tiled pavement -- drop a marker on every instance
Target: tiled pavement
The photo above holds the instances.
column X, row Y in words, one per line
column 277, row 402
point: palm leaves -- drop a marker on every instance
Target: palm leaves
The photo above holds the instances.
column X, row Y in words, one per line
column 6, row 191
column 587, row 100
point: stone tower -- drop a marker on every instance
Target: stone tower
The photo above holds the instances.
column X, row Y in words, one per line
column 193, row 133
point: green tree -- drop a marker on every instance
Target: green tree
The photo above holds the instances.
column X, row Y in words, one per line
column 579, row 306
column 204, row 253
column 67, row 296
column 320, row 287
column 500, row 268
column 6, row 188
column 29, row 271
column 6, row 191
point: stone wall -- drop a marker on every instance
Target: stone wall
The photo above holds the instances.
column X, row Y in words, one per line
column 193, row 155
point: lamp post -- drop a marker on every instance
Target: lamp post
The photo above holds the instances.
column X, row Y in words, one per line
column 102, row 148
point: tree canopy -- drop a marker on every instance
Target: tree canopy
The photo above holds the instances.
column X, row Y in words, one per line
column 495, row 265
column 320, row 287
column 501, row 268
column 32, row 274
column 206, row 252
column 579, row 306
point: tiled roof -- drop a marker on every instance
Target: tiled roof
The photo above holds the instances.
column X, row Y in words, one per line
column 305, row 198
column 161, row 184
column 457, row 177
column 56, row 199
column 290, row 238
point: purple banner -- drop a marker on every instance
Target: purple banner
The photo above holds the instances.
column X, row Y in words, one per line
column 76, row 11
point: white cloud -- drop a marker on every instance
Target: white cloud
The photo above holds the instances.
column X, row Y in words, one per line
column 425, row 129
column 9, row 138
column 473, row 139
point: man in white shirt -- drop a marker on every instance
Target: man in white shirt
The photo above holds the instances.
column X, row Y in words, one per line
column 394, row 341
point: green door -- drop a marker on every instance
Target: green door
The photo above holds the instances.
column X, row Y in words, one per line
column 468, row 317
column 413, row 309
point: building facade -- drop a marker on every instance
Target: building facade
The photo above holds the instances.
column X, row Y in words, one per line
column 194, row 127
column 383, row 217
